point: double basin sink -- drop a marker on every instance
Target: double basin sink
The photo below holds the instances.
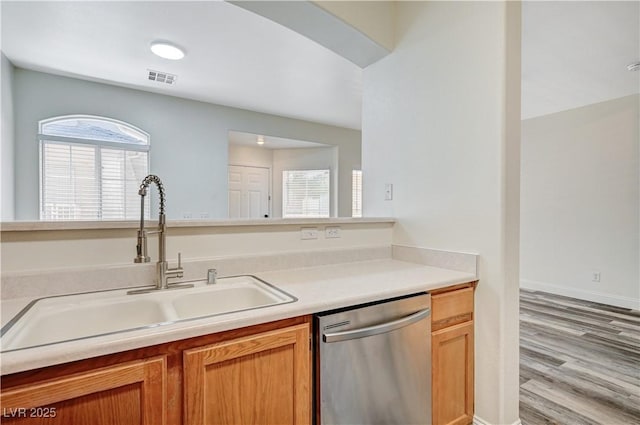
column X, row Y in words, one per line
column 70, row 317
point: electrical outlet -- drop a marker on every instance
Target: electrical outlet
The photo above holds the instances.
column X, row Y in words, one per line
column 332, row 232
column 595, row 277
column 307, row 233
column 187, row 215
column 204, row 215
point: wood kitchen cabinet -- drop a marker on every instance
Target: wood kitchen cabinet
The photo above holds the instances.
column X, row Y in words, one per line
column 255, row 375
column 132, row 393
column 261, row 379
column 452, row 356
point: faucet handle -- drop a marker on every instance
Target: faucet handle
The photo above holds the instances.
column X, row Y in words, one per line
column 176, row 272
column 212, row 275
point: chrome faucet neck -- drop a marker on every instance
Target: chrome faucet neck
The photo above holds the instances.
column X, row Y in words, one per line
column 152, row 178
column 163, row 272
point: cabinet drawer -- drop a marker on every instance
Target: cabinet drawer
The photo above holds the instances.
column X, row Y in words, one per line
column 450, row 305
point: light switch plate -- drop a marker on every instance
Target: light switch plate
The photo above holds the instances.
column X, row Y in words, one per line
column 388, row 191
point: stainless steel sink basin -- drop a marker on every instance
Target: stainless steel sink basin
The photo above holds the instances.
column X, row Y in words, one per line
column 64, row 318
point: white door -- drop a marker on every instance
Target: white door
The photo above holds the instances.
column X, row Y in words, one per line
column 248, row 192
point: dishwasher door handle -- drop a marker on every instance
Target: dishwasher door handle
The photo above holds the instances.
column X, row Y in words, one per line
column 376, row 329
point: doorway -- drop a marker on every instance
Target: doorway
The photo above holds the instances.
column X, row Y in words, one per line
column 249, row 192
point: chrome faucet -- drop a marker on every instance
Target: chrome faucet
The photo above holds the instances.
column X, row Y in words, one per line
column 163, row 272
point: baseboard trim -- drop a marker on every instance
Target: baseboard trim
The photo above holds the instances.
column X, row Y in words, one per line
column 599, row 297
column 480, row 421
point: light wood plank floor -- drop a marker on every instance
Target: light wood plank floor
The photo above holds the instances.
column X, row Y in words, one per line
column 579, row 362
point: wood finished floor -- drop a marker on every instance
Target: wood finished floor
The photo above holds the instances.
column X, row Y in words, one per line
column 579, row 362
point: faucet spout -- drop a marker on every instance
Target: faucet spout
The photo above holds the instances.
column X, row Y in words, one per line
column 163, row 271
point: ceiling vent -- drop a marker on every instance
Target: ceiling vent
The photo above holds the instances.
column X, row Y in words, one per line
column 162, row 77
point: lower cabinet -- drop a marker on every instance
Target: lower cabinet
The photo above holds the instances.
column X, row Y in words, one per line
column 255, row 375
column 262, row 379
column 452, row 351
column 133, row 393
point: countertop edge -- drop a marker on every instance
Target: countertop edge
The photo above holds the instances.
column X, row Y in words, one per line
column 27, row 226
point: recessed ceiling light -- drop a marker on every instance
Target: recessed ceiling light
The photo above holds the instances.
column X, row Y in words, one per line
column 167, row 50
column 633, row 66
column 260, row 140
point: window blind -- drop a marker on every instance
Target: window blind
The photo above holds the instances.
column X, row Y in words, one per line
column 91, row 182
column 305, row 193
column 91, row 169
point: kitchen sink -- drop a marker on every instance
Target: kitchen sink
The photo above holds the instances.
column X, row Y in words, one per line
column 71, row 317
column 49, row 321
column 236, row 294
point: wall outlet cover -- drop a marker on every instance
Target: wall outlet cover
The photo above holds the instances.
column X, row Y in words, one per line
column 307, row 233
column 332, row 232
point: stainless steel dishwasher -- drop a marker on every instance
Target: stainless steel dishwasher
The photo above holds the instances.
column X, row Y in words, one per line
column 374, row 363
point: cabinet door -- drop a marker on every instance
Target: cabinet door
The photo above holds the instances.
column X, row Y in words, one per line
column 452, row 375
column 260, row 379
column 128, row 394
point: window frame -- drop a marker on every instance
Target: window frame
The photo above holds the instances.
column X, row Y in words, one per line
column 329, row 194
column 44, row 139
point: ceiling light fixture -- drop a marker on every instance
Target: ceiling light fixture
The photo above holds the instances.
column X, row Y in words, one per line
column 633, row 66
column 260, row 140
column 167, row 50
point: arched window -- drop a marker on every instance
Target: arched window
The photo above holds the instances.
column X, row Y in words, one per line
column 90, row 168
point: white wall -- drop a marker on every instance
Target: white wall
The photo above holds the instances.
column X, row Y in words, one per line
column 441, row 118
column 250, row 157
column 580, row 202
column 7, row 142
column 188, row 138
column 38, row 251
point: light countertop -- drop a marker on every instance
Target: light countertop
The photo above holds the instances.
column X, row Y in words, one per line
column 318, row 289
column 21, row 226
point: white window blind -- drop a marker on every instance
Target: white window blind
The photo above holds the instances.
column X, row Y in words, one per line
column 91, row 169
column 305, row 193
column 356, row 193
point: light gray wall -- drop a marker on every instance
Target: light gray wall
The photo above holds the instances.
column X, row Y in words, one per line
column 7, row 143
column 580, row 196
column 188, row 138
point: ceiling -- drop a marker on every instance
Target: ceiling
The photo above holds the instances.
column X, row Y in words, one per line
column 234, row 57
column 239, row 138
column 573, row 54
column 576, row 53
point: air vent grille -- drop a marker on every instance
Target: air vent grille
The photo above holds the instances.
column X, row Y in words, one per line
column 162, row 77
column 336, row 325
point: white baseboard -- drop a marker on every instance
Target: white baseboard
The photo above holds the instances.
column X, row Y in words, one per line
column 480, row 421
column 599, row 297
